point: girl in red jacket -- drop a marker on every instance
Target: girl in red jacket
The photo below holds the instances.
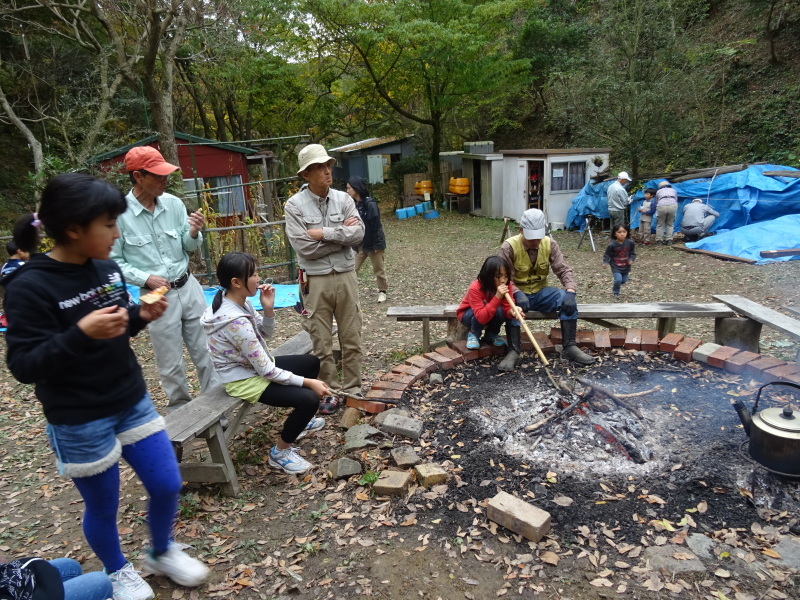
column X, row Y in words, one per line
column 485, row 306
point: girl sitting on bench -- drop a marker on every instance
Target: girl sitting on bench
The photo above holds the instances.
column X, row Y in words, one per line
column 236, row 340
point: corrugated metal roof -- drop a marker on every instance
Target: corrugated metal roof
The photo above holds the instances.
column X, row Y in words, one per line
column 369, row 143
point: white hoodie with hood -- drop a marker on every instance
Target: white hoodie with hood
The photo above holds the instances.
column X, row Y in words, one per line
column 236, row 337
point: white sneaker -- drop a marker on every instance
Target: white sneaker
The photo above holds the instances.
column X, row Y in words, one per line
column 129, row 585
column 288, row 460
column 314, row 424
column 381, row 297
column 178, row 566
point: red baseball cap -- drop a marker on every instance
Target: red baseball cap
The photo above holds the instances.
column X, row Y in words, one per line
column 148, row 159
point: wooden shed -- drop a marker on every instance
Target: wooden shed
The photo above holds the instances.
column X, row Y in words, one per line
column 203, row 163
column 370, row 158
column 547, row 179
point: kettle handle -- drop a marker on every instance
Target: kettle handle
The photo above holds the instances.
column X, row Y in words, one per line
column 758, row 397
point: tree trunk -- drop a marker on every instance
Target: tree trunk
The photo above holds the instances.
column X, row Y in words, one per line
column 33, row 143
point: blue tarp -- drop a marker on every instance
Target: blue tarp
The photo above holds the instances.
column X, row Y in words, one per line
column 748, row 241
column 741, row 198
column 285, row 295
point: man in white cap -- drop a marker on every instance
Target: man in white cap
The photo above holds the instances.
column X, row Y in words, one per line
column 532, row 255
column 618, row 200
column 323, row 227
column 152, row 251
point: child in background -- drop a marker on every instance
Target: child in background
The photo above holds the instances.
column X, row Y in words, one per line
column 236, row 334
column 646, row 220
column 17, row 258
column 619, row 255
column 485, row 306
column 69, row 334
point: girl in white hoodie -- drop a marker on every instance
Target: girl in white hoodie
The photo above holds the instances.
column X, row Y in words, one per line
column 236, row 340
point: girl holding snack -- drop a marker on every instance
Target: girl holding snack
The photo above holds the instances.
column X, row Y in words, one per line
column 236, row 340
column 619, row 255
column 485, row 305
column 69, row 334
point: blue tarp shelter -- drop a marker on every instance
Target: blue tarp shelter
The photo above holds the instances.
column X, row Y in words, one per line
column 748, row 241
column 741, row 198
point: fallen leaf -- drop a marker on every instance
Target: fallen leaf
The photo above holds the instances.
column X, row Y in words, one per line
column 550, row 557
column 702, row 507
column 601, row 582
column 683, row 556
column 722, row 573
column 770, row 552
column 563, row 500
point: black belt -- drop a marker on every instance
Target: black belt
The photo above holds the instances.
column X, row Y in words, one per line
column 180, row 281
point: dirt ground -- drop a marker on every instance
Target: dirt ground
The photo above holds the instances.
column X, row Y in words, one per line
column 617, row 532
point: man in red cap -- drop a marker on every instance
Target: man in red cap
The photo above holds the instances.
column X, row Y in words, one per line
column 152, row 251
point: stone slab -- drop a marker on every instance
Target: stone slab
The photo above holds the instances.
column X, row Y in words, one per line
column 392, row 483
column 350, row 417
column 633, row 339
column 703, row 351
column 379, row 419
column 718, row 358
column 737, row 362
column 405, row 426
column 649, row 340
column 670, row 341
column 789, row 549
column 518, row 516
column 404, row 457
column 342, row 468
column 358, row 437
column 617, row 337
column 661, row 557
column 686, row 348
column 430, row 474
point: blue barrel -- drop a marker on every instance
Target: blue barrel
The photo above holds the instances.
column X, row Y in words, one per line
column 401, row 213
column 430, row 214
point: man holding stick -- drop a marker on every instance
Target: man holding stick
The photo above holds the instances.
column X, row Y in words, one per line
column 532, row 255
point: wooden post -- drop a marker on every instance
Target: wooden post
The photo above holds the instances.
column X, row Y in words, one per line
column 426, row 335
column 737, row 332
column 666, row 325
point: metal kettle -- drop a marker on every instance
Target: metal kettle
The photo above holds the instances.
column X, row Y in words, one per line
column 774, row 434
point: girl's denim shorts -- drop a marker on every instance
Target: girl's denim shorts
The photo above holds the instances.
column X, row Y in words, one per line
column 91, row 448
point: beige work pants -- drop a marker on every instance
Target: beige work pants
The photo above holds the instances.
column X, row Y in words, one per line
column 376, row 256
column 335, row 296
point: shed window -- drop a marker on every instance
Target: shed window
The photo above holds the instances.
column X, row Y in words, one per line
column 567, row 176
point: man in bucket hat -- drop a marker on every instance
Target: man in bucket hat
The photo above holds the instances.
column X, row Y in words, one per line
column 532, row 254
column 323, row 227
column 152, row 251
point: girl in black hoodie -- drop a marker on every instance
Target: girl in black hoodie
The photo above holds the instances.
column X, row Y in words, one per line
column 374, row 242
column 69, row 334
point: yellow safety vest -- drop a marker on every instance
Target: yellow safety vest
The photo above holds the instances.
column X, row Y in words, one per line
column 528, row 277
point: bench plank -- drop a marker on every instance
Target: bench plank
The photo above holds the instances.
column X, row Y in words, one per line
column 762, row 314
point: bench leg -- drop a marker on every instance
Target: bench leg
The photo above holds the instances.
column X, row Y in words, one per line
column 666, row 325
column 426, row 335
column 218, row 448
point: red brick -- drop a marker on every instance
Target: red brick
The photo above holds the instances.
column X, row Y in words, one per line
column 454, row 356
column 649, row 340
column 442, row 361
column 602, row 340
column 390, row 396
column 389, row 385
column 670, row 341
column 585, row 338
column 461, row 347
column 685, row 348
column 415, row 372
column 555, row 335
column 544, row 342
column 398, row 378
column 367, row 406
column 756, row 367
column 737, row 362
column 793, row 378
column 617, row 337
column 780, row 373
column 486, row 350
column 422, row 363
column 718, row 357
column 633, row 339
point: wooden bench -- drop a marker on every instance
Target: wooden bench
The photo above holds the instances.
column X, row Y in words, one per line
column 763, row 316
column 666, row 314
column 201, row 418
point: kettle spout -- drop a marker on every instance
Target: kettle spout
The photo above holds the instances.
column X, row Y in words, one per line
column 744, row 416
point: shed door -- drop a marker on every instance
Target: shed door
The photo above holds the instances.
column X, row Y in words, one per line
column 375, row 168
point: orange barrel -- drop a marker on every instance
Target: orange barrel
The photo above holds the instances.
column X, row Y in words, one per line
column 459, row 185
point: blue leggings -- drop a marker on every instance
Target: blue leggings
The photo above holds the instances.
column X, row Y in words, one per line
column 153, row 460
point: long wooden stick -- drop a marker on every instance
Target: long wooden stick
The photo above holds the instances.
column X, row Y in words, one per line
column 610, row 394
column 547, row 420
column 539, row 352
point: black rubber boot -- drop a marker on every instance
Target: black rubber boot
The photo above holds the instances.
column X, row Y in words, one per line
column 509, row 362
column 570, row 349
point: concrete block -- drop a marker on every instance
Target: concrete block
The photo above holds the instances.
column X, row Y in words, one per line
column 703, row 351
column 430, row 474
column 461, row 347
column 441, row 361
column 617, row 337
column 686, row 348
column 602, row 340
column 453, row 355
column 404, row 457
column 670, row 341
column 350, row 417
column 390, row 396
column 359, row 436
column 718, row 358
column 342, row 468
column 737, row 362
column 366, row 405
column 405, row 426
column 392, row 483
column 758, row 366
column 633, row 339
column 379, row 419
column 519, row 516
column 649, row 340
column 422, row 363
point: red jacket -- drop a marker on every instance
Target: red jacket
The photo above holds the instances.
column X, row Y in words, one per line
column 484, row 305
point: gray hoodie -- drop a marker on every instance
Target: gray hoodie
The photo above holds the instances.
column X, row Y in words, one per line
column 236, row 337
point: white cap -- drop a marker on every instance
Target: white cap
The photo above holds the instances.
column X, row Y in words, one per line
column 313, row 154
column 624, row 175
column 533, row 224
